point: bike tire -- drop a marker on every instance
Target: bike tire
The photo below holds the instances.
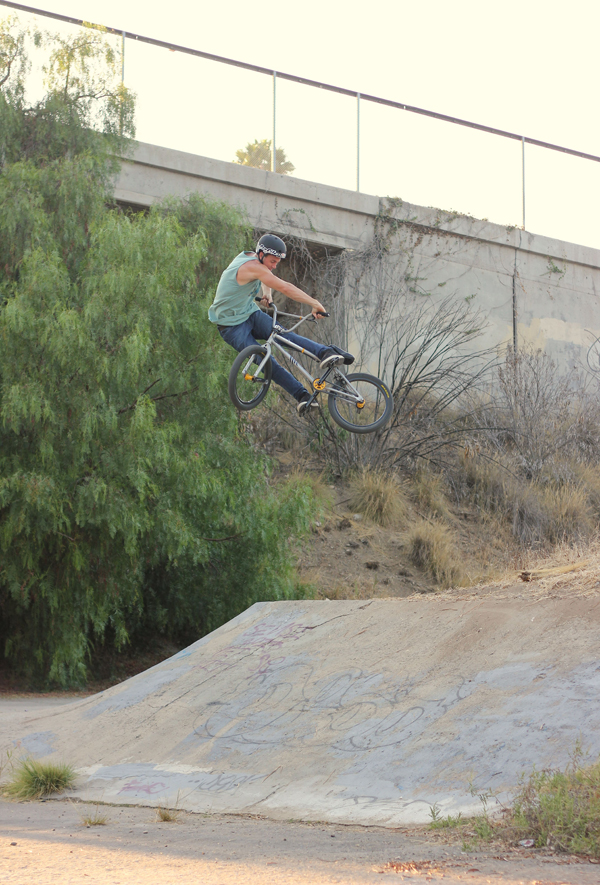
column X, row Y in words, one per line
column 376, row 412
column 245, row 394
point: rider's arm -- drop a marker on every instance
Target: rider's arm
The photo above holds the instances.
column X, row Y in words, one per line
column 254, row 270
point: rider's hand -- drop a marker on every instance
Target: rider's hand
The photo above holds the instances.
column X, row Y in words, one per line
column 318, row 309
column 266, row 302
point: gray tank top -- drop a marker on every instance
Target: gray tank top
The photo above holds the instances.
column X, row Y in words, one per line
column 233, row 303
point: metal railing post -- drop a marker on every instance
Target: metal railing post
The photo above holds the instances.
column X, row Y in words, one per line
column 274, row 145
column 523, row 175
column 373, row 99
column 122, row 80
column 358, row 141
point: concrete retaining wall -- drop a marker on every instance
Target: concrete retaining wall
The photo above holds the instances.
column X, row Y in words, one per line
column 532, row 288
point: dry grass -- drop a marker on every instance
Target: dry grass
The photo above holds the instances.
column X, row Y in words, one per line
column 568, row 512
column 95, row 818
column 572, row 568
column 568, row 570
column 588, row 477
column 379, row 496
column 428, row 488
column 168, row 815
column 339, row 589
column 318, row 483
column 538, row 512
column 432, row 547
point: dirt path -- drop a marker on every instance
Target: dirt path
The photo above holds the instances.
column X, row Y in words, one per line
column 47, row 842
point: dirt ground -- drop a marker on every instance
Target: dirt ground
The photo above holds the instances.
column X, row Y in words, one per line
column 49, row 842
column 349, row 557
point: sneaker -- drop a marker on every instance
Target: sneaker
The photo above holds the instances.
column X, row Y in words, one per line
column 331, row 358
column 303, row 403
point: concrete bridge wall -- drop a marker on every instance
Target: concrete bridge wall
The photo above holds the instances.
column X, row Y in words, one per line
column 532, row 288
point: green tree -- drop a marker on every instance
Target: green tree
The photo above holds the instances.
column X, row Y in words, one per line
column 129, row 503
column 14, row 64
column 258, row 154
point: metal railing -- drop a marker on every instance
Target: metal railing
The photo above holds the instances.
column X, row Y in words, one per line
column 270, row 148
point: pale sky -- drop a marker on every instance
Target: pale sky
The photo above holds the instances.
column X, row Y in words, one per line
column 528, row 66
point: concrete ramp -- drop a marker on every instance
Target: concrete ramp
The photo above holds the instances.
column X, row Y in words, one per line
column 363, row 712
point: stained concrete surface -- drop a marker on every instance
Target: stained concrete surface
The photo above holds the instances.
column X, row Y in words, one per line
column 366, row 712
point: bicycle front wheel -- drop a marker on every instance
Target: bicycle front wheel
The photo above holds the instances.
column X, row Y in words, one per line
column 361, row 403
column 247, row 386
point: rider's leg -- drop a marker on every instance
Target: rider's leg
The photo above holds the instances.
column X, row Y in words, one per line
column 242, row 336
column 318, row 350
column 324, row 353
column 262, row 326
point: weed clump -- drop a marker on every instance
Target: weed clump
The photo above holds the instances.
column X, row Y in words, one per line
column 378, row 495
column 432, row 548
column 167, row 815
column 33, row 779
column 95, row 819
column 560, row 809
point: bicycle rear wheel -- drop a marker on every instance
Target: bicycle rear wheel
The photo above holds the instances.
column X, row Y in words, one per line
column 248, row 387
column 363, row 403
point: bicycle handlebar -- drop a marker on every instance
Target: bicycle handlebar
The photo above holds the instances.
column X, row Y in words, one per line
column 321, row 313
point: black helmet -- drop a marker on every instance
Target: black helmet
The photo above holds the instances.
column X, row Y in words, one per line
column 269, row 244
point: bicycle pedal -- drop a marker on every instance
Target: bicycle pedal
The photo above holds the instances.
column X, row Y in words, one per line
column 306, row 405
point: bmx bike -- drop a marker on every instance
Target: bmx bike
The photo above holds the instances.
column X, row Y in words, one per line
column 359, row 403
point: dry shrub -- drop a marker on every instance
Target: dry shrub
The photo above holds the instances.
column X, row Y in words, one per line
column 537, row 512
column 541, row 412
column 378, row 495
column 432, row 547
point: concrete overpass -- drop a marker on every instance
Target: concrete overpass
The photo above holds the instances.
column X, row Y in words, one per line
column 532, row 288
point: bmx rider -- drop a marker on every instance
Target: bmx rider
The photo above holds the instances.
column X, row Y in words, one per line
column 240, row 321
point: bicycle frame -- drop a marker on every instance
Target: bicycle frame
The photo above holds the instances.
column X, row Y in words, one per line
column 317, row 385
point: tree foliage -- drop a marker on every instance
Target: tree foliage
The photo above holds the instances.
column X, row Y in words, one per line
column 259, row 155
column 129, row 503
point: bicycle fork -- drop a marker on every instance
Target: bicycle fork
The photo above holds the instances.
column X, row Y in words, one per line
column 262, row 364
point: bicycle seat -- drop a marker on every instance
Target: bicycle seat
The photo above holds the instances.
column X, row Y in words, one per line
column 348, row 358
